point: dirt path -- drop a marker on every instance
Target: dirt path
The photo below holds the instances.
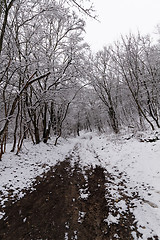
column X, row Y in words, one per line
column 71, row 202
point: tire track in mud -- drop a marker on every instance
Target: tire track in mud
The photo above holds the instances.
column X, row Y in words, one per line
column 72, row 202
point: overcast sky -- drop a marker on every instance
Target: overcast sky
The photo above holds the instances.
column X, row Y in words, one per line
column 121, row 17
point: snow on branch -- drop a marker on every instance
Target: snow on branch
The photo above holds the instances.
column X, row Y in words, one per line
column 28, row 83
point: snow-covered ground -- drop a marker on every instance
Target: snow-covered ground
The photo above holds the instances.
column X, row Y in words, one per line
column 138, row 161
column 141, row 163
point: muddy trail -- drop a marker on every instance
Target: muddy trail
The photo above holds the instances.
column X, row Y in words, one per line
column 71, row 202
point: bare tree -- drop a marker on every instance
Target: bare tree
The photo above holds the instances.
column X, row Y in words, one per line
column 5, row 7
column 106, row 82
column 131, row 63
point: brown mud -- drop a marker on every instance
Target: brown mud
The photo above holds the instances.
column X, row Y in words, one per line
column 70, row 203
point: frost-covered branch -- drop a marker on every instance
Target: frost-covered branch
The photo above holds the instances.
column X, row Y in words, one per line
column 16, row 99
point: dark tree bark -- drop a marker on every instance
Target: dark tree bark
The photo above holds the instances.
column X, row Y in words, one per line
column 5, row 19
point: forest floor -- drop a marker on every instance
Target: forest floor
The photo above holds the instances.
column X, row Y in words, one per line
column 93, row 187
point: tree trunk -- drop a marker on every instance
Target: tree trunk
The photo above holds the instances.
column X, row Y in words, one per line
column 113, row 120
column 15, row 130
column 45, row 121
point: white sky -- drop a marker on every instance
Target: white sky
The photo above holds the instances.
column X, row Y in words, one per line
column 121, row 17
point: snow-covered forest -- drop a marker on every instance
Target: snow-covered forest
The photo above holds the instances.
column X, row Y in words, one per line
column 53, row 87
column 52, row 84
